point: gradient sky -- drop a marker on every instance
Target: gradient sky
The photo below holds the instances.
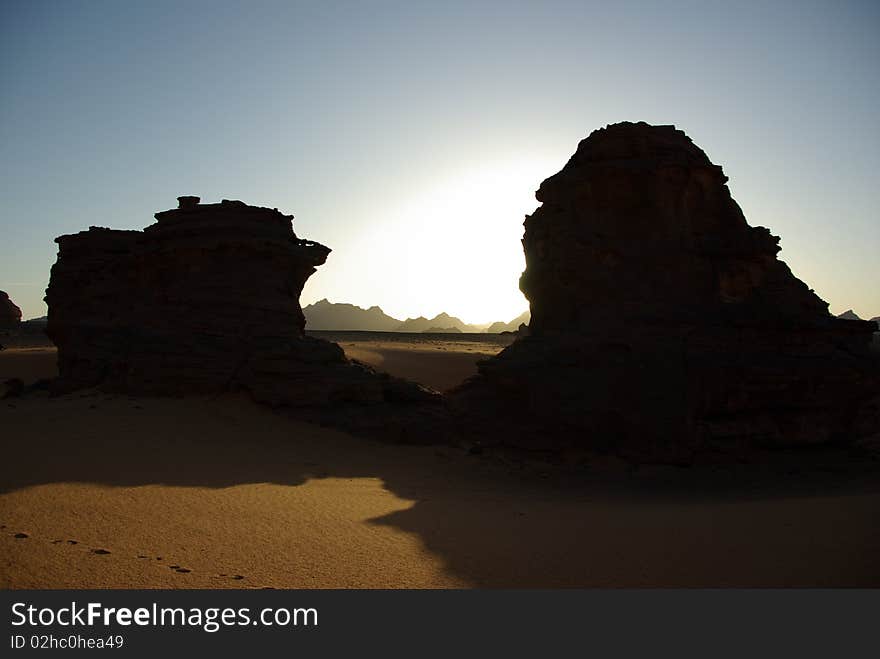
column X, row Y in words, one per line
column 410, row 136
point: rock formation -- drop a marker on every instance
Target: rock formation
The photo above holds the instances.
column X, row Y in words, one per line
column 10, row 314
column 204, row 300
column 662, row 324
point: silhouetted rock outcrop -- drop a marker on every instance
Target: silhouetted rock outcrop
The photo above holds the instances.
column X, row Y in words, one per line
column 204, row 300
column 10, row 314
column 662, row 323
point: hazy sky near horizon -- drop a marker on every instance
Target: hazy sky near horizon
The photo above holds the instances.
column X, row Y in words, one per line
column 410, row 136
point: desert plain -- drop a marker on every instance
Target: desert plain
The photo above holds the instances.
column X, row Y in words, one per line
column 100, row 490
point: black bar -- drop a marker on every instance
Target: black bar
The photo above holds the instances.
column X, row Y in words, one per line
column 594, row 623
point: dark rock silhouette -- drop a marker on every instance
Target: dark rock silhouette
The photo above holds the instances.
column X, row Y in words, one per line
column 10, row 314
column 663, row 325
column 204, row 300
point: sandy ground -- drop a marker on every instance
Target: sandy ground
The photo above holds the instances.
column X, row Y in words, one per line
column 437, row 361
column 438, row 368
column 112, row 491
column 29, row 364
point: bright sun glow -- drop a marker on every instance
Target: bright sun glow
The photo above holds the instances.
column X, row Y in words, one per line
column 452, row 245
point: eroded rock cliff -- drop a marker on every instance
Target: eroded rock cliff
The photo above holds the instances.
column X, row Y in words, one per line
column 204, row 300
column 662, row 323
column 10, row 314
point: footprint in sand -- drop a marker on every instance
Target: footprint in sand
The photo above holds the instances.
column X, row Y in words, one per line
column 237, row 577
column 100, row 551
column 21, row 536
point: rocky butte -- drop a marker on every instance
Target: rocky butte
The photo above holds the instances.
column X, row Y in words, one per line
column 663, row 327
column 10, row 314
column 205, row 300
column 662, row 324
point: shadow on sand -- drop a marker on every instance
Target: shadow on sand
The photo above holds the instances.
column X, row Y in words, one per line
column 495, row 520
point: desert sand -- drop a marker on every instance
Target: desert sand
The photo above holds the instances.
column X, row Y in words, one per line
column 28, row 363
column 439, row 361
column 110, row 491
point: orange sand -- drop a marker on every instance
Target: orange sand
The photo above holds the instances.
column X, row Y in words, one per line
column 241, row 496
column 440, row 365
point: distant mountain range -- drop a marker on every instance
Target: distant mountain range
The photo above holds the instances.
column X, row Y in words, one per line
column 512, row 326
column 326, row 315
column 440, row 323
column 849, row 314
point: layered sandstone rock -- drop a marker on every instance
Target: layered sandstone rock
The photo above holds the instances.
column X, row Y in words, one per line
column 204, row 300
column 10, row 314
column 662, row 323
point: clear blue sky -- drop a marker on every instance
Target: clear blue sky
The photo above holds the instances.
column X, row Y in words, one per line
column 410, row 136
